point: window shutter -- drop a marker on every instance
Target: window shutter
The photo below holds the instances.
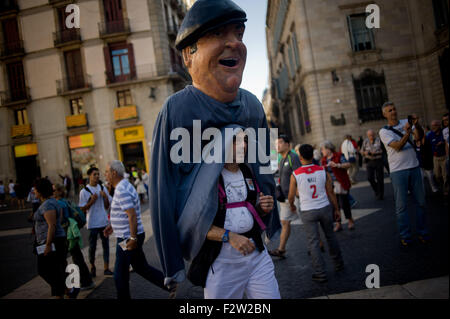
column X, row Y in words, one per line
column 131, row 61
column 350, row 31
column 108, row 65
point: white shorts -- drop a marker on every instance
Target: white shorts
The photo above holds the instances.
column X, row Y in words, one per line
column 254, row 276
column 285, row 210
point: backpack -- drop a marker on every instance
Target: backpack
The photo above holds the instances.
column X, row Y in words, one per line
column 77, row 214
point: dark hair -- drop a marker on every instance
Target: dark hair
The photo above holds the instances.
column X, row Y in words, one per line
column 44, row 187
column 285, row 138
column 92, row 169
column 307, row 152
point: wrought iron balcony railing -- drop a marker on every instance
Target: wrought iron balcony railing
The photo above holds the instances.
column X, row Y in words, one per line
column 67, row 36
column 73, row 83
column 14, row 96
column 8, row 49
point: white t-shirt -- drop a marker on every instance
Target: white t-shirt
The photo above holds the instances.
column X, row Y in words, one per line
column 237, row 220
column 406, row 158
column 11, row 188
column 445, row 134
column 97, row 217
column 311, row 181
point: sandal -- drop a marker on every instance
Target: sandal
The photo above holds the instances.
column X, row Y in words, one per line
column 277, row 253
column 338, row 227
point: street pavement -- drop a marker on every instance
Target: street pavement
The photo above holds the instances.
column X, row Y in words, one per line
column 374, row 241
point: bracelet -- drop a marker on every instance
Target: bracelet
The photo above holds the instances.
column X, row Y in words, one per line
column 133, row 238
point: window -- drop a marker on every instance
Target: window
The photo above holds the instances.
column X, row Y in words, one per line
column 440, row 8
column 21, row 117
column 76, row 106
column 295, row 46
column 74, row 70
column 299, row 110
column 291, row 59
column 119, row 58
column 120, row 61
column 361, row 37
column 305, row 111
column 124, row 98
column 16, row 80
column 370, row 91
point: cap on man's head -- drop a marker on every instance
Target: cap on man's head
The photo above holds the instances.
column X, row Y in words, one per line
column 205, row 16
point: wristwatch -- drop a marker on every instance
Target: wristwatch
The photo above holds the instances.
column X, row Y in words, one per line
column 133, row 238
column 225, row 236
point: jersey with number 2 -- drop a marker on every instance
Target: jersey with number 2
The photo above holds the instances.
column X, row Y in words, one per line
column 311, row 180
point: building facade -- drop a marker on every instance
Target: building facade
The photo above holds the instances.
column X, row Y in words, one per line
column 330, row 74
column 76, row 97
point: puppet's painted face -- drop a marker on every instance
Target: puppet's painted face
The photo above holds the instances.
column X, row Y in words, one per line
column 218, row 64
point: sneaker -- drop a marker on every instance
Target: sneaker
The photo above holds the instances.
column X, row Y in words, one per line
column 319, row 278
column 108, row 272
column 425, row 239
column 405, row 242
column 87, row 287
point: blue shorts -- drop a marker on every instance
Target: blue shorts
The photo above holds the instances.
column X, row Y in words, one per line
column 13, row 195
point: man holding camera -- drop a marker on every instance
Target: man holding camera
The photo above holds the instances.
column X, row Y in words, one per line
column 372, row 151
column 405, row 170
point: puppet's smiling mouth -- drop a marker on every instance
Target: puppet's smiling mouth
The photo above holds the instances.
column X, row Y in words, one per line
column 229, row 62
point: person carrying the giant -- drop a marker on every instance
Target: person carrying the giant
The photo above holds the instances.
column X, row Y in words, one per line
column 183, row 195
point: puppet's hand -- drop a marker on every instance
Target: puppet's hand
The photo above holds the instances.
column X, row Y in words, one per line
column 265, row 203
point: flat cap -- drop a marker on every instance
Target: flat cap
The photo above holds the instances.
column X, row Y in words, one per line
column 204, row 16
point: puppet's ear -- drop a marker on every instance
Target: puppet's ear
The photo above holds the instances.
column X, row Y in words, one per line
column 187, row 57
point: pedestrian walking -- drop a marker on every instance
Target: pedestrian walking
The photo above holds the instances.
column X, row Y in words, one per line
column 437, row 141
column 425, row 158
column 211, row 42
column 12, row 194
column 2, row 195
column 50, row 239
column 73, row 237
column 20, row 191
column 405, row 171
column 337, row 165
column 233, row 259
column 95, row 202
column 145, row 179
column 288, row 163
column 349, row 149
column 140, row 187
column 127, row 227
column 371, row 149
column 315, row 187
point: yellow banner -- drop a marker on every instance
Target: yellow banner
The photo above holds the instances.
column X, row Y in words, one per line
column 84, row 140
column 130, row 133
column 25, row 150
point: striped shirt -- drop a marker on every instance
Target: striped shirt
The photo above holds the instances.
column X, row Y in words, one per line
column 125, row 197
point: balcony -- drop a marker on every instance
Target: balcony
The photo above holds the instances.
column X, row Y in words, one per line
column 66, row 37
column 15, row 96
column 77, row 121
column 114, row 28
column 74, row 84
column 8, row 7
column 125, row 113
column 11, row 49
column 19, row 131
